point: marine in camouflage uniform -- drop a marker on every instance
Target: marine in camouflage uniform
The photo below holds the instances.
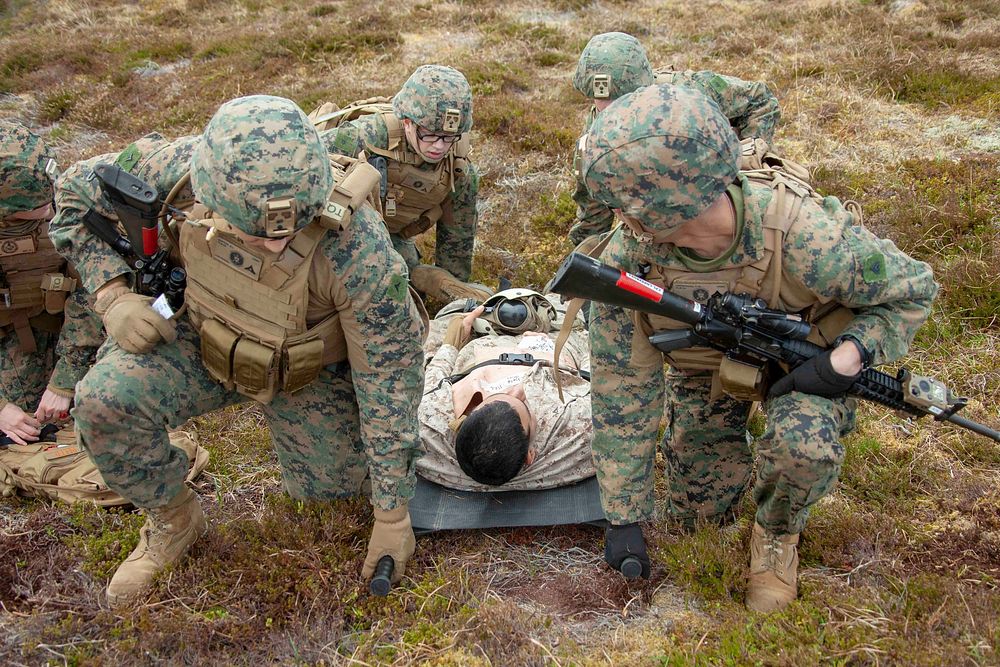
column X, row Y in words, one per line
column 614, row 64
column 665, row 158
column 431, row 183
column 261, row 178
column 560, row 442
column 48, row 337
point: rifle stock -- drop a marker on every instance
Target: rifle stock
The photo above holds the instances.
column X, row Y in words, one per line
column 136, row 204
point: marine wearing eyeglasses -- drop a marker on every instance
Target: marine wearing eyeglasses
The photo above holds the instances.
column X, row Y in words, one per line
column 423, row 139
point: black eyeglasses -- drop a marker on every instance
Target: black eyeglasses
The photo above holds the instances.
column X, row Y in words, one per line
column 431, row 138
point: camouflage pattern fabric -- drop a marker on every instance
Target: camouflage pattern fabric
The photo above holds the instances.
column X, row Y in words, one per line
column 455, row 237
column 61, row 359
column 750, row 106
column 705, row 443
column 127, row 402
column 429, row 92
column 617, row 56
column 563, row 430
column 638, row 156
column 272, row 162
column 26, row 170
column 81, row 335
column 24, row 376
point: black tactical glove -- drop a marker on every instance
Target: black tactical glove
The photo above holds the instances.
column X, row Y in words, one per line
column 816, row 376
column 625, row 550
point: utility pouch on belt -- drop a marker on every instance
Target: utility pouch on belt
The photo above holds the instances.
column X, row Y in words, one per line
column 56, row 288
column 743, row 379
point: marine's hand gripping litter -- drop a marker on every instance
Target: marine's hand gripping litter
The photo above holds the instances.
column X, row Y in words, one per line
column 747, row 331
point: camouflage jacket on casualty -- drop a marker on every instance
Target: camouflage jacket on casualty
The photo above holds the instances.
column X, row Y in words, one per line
column 563, row 430
column 355, row 273
column 752, row 110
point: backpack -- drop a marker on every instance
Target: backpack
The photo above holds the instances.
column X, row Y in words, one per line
column 62, row 470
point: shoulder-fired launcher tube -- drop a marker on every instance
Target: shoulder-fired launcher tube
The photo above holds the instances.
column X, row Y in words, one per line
column 584, row 277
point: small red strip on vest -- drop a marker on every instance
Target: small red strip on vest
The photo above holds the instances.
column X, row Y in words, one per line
column 149, row 240
column 637, row 285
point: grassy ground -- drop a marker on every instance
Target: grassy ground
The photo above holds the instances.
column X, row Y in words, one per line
column 895, row 104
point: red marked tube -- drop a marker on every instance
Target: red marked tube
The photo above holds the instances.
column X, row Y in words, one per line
column 637, row 285
column 149, row 241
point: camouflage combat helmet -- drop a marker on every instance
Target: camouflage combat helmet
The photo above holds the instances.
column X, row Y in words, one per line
column 661, row 155
column 611, row 65
column 27, row 170
column 261, row 166
column 437, row 98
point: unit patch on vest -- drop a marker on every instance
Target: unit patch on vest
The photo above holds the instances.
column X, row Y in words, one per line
column 235, row 257
column 21, row 245
column 699, row 292
column 420, row 183
column 873, row 268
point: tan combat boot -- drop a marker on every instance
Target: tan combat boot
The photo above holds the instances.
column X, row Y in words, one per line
column 774, row 564
column 168, row 533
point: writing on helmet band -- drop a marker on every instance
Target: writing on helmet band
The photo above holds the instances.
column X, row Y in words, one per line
column 279, row 217
column 602, row 86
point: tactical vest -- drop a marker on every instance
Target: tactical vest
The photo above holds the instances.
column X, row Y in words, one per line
column 34, row 285
column 761, row 278
column 415, row 198
column 250, row 306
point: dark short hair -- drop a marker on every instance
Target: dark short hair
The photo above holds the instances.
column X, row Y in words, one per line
column 491, row 444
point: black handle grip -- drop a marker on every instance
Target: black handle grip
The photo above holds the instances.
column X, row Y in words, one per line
column 631, row 567
column 381, row 582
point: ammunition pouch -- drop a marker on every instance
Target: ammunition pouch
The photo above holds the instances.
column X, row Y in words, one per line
column 258, row 370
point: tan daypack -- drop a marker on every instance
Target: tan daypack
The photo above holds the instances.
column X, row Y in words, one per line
column 62, row 470
column 329, row 115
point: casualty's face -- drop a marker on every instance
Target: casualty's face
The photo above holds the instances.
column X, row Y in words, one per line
column 489, row 384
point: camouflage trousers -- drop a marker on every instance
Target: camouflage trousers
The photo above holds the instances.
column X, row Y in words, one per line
column 24, row 376
column 709, row 459
column 708, row 454
column 407, row 248
column 126, row 403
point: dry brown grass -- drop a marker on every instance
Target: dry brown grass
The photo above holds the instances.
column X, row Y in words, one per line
column 896, row 108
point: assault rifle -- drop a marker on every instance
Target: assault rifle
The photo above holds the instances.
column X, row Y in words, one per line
column 138, row 209
column 745, row 329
